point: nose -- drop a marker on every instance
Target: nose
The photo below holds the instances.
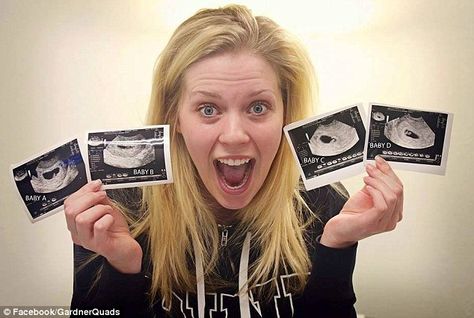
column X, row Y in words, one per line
column 234, row 131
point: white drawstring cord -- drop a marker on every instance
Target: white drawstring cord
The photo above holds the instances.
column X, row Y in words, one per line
column 201, row 293
column 243, row 277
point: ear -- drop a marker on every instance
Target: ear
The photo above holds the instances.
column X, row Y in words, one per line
column 178, row 128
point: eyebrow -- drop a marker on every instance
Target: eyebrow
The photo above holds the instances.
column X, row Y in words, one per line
column 256, row 93
column 216, row 95
column 205, row 93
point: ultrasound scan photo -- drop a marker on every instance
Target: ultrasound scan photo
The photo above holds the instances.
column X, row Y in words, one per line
column 328, row 147
column 130, row 157
column 411, row 139
column 45, row 181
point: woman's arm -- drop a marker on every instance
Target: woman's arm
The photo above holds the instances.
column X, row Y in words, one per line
column 376, row 208
column 329, row 291
column 114, row 279
column 99, row 285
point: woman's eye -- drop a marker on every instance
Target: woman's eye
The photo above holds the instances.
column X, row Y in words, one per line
column 258, row 108
column 208, row 110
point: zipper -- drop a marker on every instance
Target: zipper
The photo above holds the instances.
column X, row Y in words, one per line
column 224, row 234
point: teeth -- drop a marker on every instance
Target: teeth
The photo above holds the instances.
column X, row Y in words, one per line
column 232, row 162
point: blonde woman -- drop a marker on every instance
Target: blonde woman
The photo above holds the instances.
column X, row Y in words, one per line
column 234, row 235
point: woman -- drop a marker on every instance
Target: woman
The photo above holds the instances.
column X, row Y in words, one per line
column 234, row 235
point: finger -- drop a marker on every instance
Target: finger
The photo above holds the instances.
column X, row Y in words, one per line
column 388, row 194
column 75, row 239
column 108, row 201
column 89, row 187
column 377, row 199
column 364, row 190
column 73, row 208
column 85, row 223
column 392, row 182
column 117, row 212
column 380, row 209
column 397, row 187
column 101, row 229
column 391, row 215
column 386, row 169
column 398, row 215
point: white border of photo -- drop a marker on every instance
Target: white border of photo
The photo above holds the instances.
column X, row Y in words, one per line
column 334, row 176
column 35, row 156
column 166, row 150
column 416, row 167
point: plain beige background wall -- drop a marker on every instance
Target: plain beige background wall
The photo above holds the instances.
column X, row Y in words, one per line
column 71, row 66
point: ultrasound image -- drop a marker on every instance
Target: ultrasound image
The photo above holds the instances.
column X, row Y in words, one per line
column 131, row 157
column 129, row 152
column 406, row 135
column 44, row 182
column 333, row 139
column 410, row 132
column 53, row 175
column 328, row 143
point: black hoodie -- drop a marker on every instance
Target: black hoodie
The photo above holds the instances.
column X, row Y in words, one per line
column 328, row 292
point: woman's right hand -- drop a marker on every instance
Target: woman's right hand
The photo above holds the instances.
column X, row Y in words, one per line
column 97, row 226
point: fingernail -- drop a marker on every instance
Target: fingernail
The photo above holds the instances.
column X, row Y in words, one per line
column 97, row 182
column 379, row 159
column 369, row 166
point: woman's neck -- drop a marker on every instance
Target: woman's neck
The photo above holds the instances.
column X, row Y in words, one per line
column 225, row 216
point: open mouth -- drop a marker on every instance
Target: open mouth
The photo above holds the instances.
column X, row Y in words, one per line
column 234, row 174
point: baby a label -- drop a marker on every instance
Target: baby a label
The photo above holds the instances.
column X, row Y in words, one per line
column 35, row 198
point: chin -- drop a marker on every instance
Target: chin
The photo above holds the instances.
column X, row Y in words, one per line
column 233, row 202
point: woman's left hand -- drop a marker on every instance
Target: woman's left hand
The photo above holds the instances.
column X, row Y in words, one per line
column 376, row 208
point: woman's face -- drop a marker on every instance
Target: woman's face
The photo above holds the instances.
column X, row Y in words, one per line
column 231, row 118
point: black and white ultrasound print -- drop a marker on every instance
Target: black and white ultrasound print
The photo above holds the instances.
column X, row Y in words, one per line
column 45, row 181
column 131, row 157
column 325, row 144
column 414, row 138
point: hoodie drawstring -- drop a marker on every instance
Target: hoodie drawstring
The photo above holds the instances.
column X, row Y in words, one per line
column 243, row 277
column 201, row 299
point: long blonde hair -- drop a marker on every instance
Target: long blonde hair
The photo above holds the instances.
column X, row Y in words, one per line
column 178, row 219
